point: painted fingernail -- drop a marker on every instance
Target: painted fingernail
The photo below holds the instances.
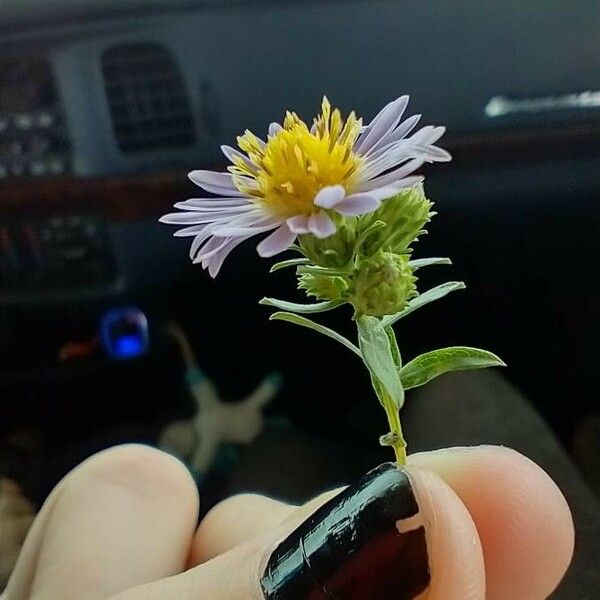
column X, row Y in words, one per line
column 366, row 543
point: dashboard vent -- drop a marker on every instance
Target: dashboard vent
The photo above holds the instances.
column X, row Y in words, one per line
column 148, row 102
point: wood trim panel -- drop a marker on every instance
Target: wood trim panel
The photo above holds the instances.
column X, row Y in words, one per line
column 133, row 197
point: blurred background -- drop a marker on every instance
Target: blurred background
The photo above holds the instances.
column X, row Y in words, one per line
column 105, row 106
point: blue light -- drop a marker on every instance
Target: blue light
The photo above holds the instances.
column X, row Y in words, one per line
column 124, row 333
column 128, row 346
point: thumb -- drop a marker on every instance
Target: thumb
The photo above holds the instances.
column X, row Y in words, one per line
column 396, row 534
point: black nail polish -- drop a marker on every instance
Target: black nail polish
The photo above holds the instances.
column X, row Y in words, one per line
column 352, row 549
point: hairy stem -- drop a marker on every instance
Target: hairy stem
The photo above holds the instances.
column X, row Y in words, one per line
column 395, row 438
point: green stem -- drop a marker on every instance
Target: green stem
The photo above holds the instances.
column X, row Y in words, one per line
column 380, row 354
column 395, row 438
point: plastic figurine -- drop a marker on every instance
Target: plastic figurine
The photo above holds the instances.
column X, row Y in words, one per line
column 198, row 440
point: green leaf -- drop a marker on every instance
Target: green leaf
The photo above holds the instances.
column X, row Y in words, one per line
column 293, row 262
column 380, row 391
column 378, row 355
column 394, row 346
column 301, row 308
column 304, row 322
column 425, row 262
column 426, row 367
column 425, row 298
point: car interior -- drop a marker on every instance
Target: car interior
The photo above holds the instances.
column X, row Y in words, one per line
column 104, row 108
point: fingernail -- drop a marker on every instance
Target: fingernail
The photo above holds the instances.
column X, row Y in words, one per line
column 366, row 543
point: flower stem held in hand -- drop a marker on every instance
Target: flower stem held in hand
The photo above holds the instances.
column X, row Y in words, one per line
column 395, row 438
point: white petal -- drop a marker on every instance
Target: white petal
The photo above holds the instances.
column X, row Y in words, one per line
column 428, row 135
column 232, row 154
column 329, row 196
column 274, row 129
column 252, row 220
column 189, row 231
column 216, row 183
column 389, row 110
column 217, row 207
column 403, row 129
column 241, row 231
column 382, row 124
column 213, row 203
column 200, row 239
column 298, row 224
column 385, row 192
column 400, row 132
column 262, row 144
column 437, row 154
column 396, row 174
column 321, row 225
column 212, row 246
column 281, row 239
column 419, row 145
column 198, row 217
column 184, row 218
column 215, row 262
column 400, row 152
column 393, row 156
column 358, row 204
column 432, row 153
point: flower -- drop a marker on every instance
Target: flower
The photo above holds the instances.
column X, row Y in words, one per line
column 304, row 181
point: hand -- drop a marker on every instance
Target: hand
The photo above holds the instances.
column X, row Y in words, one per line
column 122, row 526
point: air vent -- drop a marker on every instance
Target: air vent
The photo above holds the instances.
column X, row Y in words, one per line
column 147, row 98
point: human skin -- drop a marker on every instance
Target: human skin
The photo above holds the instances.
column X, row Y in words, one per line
column 123, row 526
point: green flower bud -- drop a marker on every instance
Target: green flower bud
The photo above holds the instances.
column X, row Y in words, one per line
column 335, row 251
column 382, row 285
column 402, row 218
column 323, row 287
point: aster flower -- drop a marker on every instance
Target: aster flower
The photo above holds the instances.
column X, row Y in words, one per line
column 304, row 181
column 352, row 196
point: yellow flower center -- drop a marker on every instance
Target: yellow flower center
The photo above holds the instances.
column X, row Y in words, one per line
column 295, row 164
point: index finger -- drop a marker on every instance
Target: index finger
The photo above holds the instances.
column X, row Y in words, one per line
column 523, row 521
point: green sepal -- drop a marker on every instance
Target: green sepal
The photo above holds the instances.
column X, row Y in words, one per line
column 304, row 322
column 301, row 308
column 426, row 262
column 293, row 262
column 365, row 234
column 426, row 367
column 379, row 358
column 325, row 271
column 334, row 251
column 425, row 298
